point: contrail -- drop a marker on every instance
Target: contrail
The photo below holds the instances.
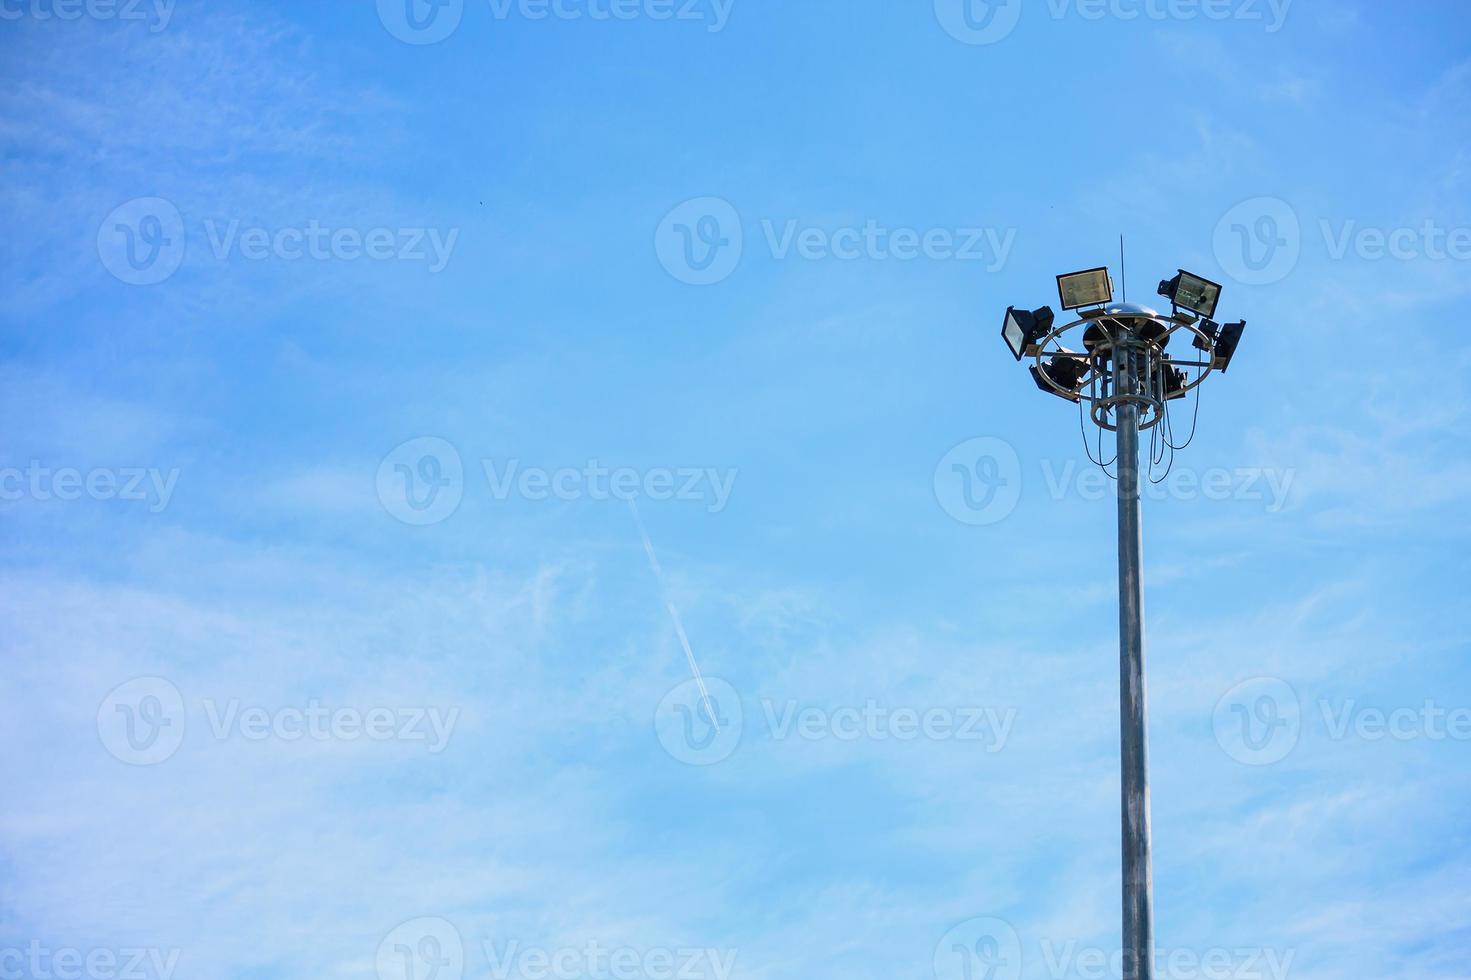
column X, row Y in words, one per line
column 684, row 640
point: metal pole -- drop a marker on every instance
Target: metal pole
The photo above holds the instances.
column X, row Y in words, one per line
column 1138, row 933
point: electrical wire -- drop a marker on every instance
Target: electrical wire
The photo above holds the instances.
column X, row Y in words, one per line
column 1083, row 431
column 1194, row 418
column 1161, row 434
column 1167, row 432
column 1096, row 460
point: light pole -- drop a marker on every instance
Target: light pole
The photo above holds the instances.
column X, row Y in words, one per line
column 1133, row 691
column 1128, row 381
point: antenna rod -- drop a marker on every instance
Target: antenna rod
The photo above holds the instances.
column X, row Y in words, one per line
column 1123, row 272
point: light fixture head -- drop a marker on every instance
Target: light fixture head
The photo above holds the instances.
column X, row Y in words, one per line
column 1209, row 328
column 1023, row 331
column 1226, row 343
column 1187, row 291
column 1067, row 372
column 1091, row 287
column 1172, row 379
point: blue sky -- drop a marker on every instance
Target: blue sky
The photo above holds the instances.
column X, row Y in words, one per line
column 345, row 373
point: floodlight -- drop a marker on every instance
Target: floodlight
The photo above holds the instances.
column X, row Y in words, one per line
column 1191, row 292
column 1173, row 379
column 1023, row 331
column 1226, row 343
column 1087, row 288
column 1066, row 372
column 1209, row 328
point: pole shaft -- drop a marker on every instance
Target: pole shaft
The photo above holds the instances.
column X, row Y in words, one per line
column 1138, row 896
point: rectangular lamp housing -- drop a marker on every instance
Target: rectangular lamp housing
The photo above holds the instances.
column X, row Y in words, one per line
column 1194, row 293
column 1091, row 287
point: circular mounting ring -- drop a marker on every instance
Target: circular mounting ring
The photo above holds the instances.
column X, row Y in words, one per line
column 1154, row 348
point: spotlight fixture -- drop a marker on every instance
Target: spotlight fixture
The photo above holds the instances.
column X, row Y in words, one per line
column 1210, row 328
column 1226, row 342
column 1066, row 370
column 1022, row 331
column 1173, row 379
column 1187, row 291
column 1087, row 288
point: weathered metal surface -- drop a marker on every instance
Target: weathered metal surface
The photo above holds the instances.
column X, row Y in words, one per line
column 1138, row 896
